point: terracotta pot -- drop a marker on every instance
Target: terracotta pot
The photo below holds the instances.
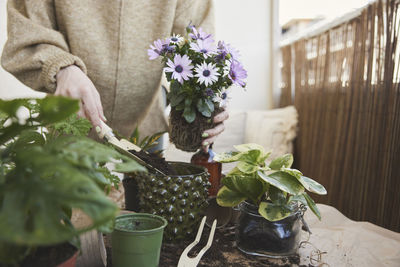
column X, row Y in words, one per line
column 70, row 262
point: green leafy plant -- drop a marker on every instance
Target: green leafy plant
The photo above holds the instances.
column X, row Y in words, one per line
column 147, row 142
column 48, row 168
column 275, row 188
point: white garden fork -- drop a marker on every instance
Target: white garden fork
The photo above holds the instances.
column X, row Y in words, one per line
column 185, row 260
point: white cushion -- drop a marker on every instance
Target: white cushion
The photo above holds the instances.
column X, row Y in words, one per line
column 274, row 129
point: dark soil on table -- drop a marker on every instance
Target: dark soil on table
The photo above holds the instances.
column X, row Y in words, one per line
column 49, row 256
column 222, row 253
column 155, row 161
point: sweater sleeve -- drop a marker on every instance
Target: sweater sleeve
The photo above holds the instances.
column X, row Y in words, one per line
column 199, row 13
column 35, row 51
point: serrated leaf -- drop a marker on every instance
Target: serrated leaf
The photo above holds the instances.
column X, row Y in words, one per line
column 229, row 198
column 274, row 212
column 284, row 161
column 283, row 181
column 73, row 125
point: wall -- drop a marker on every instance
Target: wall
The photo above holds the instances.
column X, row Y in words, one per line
column 10, row 87
column 247, row 26
column 244, row 24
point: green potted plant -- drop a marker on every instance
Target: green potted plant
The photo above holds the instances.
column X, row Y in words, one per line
column 200, row 73
column 47, row 170
column 130, row 186
column 180, row 196
column 271, row 197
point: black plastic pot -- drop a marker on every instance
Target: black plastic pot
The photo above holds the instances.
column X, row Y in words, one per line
column 257, row 236
column 131, row 192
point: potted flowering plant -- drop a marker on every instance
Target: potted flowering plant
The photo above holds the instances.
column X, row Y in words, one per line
column 200, row 73
column 272, row 199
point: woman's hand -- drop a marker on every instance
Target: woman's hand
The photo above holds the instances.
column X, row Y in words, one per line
column 211, row 134
column 73, row 82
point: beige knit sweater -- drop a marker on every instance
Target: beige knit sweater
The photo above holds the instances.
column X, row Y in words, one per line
column 108, row 39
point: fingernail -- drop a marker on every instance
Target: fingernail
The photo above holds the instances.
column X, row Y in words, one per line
column 206, row 143
column 204, row 135
column 98, row 129
column 104, row 118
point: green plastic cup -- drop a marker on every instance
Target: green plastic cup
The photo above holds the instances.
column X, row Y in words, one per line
column 136, row 240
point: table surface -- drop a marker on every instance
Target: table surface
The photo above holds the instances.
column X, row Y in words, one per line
column 335, row 240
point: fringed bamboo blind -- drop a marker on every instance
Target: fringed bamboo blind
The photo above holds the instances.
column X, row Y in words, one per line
column 344, row 83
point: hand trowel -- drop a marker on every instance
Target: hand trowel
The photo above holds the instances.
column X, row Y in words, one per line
column 123, row 146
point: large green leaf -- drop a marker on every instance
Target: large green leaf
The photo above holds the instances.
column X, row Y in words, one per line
column 229, row 198
column 283, row 181
column 312, row 205
column 31, row 212
column 248, row 186
column 284, row 161
column 276, row 195
column 249, row 146
column 10, row 107
column 55, row 108
column 274, row 212
column 85, row 152
column 189, row 114
column 227, row 157
column 247, row 167
column 203, row 108
column 292, row 172
column 312, row 185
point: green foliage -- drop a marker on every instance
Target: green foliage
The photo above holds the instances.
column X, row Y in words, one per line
column 48, row 168
column 147, row 142
column 276, row 189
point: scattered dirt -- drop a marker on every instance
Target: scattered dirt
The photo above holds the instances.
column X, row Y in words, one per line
column 155, row 161
column 223, row 252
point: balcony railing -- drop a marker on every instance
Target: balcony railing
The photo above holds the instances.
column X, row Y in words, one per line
column 344, row 80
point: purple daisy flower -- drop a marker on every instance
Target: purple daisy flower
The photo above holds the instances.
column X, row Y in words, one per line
column 198, row 34
column 180, row 68
column 206, row 47
column 157, row 48
column 224, row 49
column 223, row 98
column 237, row 73
column 209, row 92
column 206, row 73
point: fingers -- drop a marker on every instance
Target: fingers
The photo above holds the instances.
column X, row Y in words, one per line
column 90, row 108
column 211, row 134
column 222, row 116
column 97, row 100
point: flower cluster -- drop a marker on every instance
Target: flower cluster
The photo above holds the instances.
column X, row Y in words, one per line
column 199, row 70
